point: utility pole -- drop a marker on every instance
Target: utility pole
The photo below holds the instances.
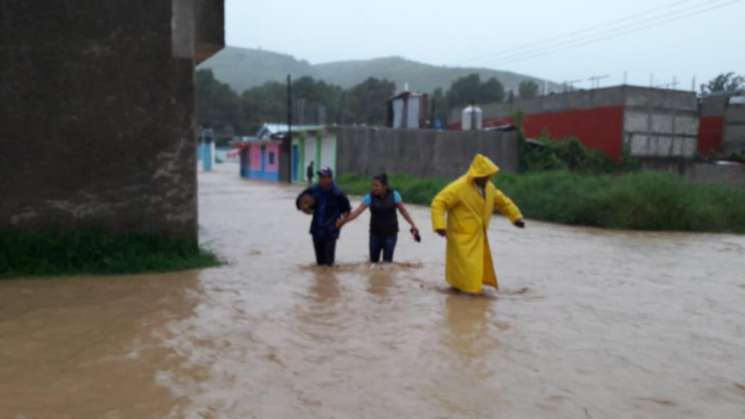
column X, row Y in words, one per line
column 289, row 106
column 287, row 143
column 651, row 80
column 693, row 84
column 674, row 84
column 625, row 77
column 569, row 84
column 595, row 80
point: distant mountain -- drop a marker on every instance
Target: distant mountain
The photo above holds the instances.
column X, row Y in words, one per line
column 243, row 68
column 419, row 76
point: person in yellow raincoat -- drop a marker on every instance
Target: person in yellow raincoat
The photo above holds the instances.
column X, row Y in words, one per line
column 469, row 203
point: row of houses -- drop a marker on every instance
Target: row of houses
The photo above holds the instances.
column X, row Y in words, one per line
column 265, row 157
column 664, row 129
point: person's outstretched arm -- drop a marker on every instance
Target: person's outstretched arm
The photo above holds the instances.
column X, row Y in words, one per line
column 506, row 207
column 344, row 208
column 405, row 213
column 352, row 216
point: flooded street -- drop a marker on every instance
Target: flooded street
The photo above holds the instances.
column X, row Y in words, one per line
column 590, row 324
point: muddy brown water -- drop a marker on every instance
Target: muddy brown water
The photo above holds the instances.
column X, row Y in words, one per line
column 591, row 324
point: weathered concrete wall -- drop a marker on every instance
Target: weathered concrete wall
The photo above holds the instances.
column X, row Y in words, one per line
column 714, row 174
column 210, row 28
column 661, row 134
column 556, row 102
column 97, row 122
column 734, row 129
column 447, row 154
column 660, row 123
column 704, row 173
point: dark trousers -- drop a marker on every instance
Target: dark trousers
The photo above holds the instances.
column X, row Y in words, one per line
column 325, row 251
column 382, row 244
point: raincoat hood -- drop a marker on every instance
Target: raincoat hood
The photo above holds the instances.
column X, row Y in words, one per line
column 482, row 166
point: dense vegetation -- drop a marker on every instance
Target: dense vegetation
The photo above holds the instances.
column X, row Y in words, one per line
column 316, row 101
column 562, row 181
column 93, row 252
column 641, row 200
column 569, row 154
column 724, row 83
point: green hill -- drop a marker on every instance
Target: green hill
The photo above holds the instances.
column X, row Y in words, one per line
column 243, row 68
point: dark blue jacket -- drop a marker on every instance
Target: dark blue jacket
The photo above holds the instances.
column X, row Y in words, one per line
column 330, row 204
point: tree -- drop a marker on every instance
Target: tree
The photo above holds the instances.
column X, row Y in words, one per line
column 492, row 91
column 724, row 83
column 439, row 107
column 510, row 97
column 217, row 104
column 463, row 91
column 469, row 88
column 316, row 94
column 265, row 103
column 366, row 103
column 528, row 89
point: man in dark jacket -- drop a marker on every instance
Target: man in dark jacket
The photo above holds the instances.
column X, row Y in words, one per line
column 330, row 205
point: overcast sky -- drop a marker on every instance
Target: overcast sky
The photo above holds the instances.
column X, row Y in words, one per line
column 493, row 33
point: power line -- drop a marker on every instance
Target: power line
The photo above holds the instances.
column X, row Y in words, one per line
column 559, row 37
column 613, row 33
column 622, row 30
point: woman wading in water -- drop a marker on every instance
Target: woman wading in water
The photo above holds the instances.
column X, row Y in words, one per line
column 384, row 203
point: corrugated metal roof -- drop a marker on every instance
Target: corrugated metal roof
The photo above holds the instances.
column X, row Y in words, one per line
column 271, row 129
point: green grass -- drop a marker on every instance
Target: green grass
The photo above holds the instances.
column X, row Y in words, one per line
column 92, row 252
column 637, row 201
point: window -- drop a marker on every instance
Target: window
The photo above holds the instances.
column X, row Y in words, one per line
column 271, row 158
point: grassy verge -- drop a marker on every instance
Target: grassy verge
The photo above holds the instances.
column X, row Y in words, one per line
column 639, row 200
column 90, row 252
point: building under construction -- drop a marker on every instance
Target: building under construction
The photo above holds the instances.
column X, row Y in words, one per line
column 647, row 123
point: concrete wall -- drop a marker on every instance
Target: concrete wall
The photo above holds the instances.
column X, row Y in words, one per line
column 97, row 122
column 210, row 28
column 660, row 123
column 661, row 134
column 722, row 125
column 328, row 152
column 447, row 154
column 728, row 175
column 734, row 129
column 321, row 150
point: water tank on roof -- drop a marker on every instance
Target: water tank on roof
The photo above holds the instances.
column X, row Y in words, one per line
column 472, row 118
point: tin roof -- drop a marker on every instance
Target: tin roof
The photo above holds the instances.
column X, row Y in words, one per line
column 269, row 130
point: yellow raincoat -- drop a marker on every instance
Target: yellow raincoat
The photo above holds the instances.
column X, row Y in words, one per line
column 469, row 263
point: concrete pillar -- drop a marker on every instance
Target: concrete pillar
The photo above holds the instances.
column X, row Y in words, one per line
column 97, row 127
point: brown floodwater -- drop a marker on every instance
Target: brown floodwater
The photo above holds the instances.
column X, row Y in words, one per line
column 590, row 324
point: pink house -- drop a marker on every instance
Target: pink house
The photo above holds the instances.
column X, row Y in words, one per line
column 260, row 160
